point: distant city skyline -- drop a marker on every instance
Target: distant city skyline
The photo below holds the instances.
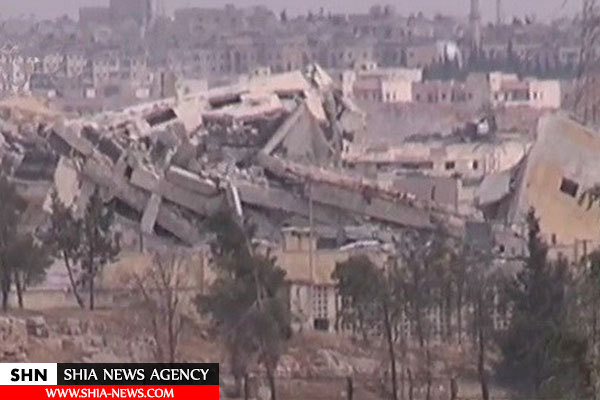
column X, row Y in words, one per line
column 542, row 9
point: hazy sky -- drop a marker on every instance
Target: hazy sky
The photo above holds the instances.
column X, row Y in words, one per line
column 544, row 9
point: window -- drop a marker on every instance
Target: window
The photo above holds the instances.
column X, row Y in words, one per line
column 128, row 172
column 320, row 308
column 502, row 249
column 569, row 187
column 475, row 165
column 553, row 239
column 416, row 165
column 326, row 243
column 450, row 165
column 321, row 324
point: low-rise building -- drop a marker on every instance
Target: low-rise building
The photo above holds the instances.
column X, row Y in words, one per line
column 508, row 90
column 384, row 85
column 309, row 262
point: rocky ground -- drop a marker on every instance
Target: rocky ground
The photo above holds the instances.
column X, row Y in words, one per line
column 314, row 367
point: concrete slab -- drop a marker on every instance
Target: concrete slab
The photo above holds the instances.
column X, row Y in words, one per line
column 191, row 181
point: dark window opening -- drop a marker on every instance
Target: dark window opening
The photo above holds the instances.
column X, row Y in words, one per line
column 110, row 91
column 321, row 324
column 110, row 149
column 416, row 165
column 475, row 165
column 326, row 243
column 59, row 144
column 569, row 187
column 553, row 239
column 450, row 165
column 128, row 172
column 502, row 249
column 90, row 134
column 160, row 117
column 125, row 210
column 433, row 193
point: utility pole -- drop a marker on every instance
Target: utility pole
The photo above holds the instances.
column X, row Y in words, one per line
column 498, row 12
column 310, row 255
column 475, row 22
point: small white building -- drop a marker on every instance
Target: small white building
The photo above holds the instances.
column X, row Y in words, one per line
column 385, row 85
column 508, row 90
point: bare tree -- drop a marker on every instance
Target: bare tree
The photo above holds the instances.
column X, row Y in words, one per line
column 586, row 104
column 161, row 289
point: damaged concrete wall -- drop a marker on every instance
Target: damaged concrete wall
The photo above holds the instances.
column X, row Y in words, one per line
column 561, row 166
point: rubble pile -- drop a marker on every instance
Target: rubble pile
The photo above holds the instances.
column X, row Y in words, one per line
column 267, row 147
column 71, row 338
column 13, row 339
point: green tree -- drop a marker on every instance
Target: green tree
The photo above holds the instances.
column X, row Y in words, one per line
column 99, row 243
column 64, row 238
column 543, row 356
column 28, row 260
column 483, row 282
column 358, row 284
column 372, row 300
column 11, row 208
column 246, row 302
column 23, row 261
column 588, row 307
column 423, row 255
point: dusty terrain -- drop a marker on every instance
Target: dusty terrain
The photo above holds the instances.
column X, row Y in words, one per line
column 315, row 365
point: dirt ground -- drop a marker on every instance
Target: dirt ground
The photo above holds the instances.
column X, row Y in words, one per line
column 315, row 366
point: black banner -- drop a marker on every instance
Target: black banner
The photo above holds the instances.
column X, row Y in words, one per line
column 138, row 374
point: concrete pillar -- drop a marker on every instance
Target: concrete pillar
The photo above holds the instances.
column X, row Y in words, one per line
column 151, row 213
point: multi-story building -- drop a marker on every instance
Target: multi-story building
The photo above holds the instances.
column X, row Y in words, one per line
column 15, row 70
column 138, row 10
column 76, row 63
column 94, row 15
column 309, row 262
column 202, row 23
column 53, row 63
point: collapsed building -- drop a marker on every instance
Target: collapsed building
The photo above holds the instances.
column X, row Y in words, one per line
column 268, row 148
column 269, row 145
column 559, row 169
column 280, row 151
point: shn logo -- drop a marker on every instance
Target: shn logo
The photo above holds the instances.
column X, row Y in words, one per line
column 28, row 375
